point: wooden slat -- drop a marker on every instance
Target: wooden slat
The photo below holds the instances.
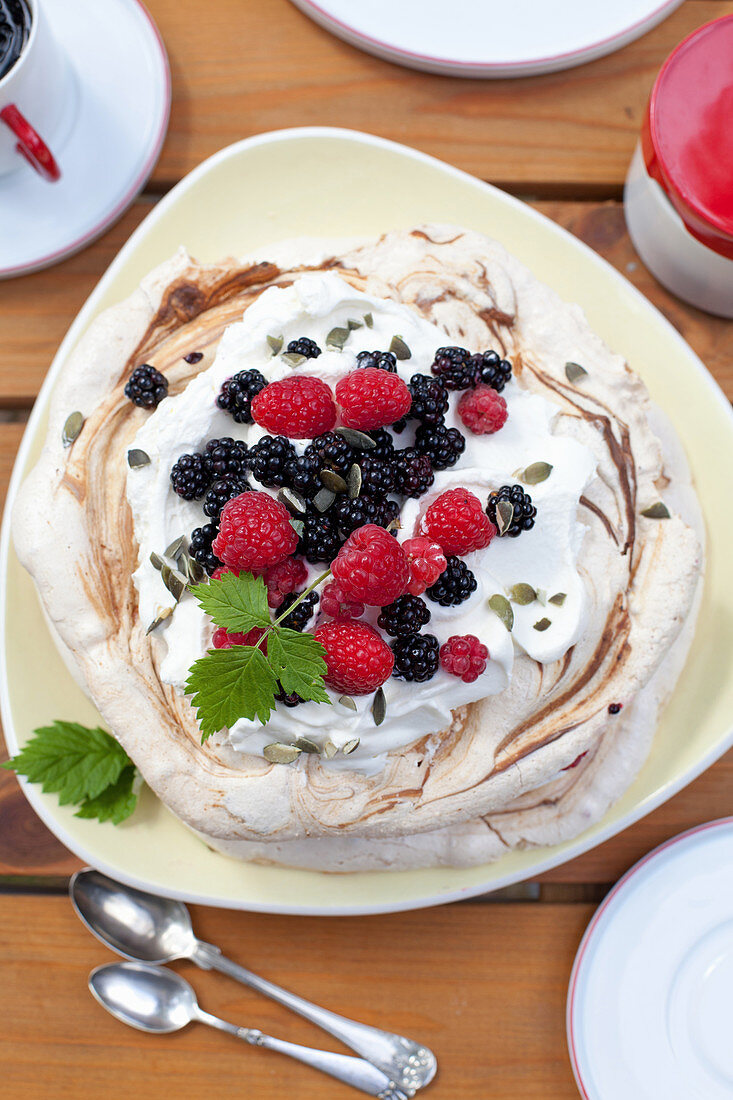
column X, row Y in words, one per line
column 244, row 66
column 485, row 987
column 36, row 311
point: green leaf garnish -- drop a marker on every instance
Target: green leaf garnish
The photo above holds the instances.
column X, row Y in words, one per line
column 84, row 767
column 236, row 603
column 298, row 662
column 228, row 684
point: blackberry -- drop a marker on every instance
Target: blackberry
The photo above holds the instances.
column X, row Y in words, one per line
column 384, row 449
column 413, row 472
column 350, row 514
column 271, row 458
column 146, row 387
column 304, row 346
column 303, row 475
column 405, row 616
column 442, row 445
column 298, row 619
column 320, row 540
column 237, row 393
column 383, row 360
column 453, row 366
column 333, row 451
column 222, row 491
column 416, row 657
column 291, row 700
column 226, row 457
column 377, row 477
column 429, row 399
column 454, row 585
column 191, row 476
column 200, row 546
column 390, row 511
column 491, row 370
column 524, row 509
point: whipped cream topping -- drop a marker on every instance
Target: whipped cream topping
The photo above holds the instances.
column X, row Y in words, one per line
column 544, row 557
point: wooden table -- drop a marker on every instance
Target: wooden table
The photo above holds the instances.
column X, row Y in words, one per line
column 483, row 982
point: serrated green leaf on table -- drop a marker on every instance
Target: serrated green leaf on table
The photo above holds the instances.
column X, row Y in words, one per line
column 228, row 684
column 238, row 603
column 297, row 661
column 115, row 803
column 71, row 760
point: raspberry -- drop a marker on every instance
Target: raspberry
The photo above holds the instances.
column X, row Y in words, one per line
column 254, row 531
column 482, row 410
column 465, row 656
column 382, row 360
column 304, row 346
column 492, row 370
column 237, row 393
column 405, row 616
column 427, row 561
column 358, row 659
column 299, row 407
column 284, row 578
column 270, row 460
column 190, row 476
column 371, row 566
column 224, row 640
column 454, row 585
column 146, row 387
column 454, row 368
column 413, row 472
column 221, row 570
column 371, row 398
column 524, row 511
column 339, row 606
column 456, row 521
column 416, row 657
column 442, row 445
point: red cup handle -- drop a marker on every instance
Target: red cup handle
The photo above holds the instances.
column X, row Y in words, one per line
column 30, row 144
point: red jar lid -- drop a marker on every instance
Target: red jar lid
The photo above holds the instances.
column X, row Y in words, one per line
column 687, row 136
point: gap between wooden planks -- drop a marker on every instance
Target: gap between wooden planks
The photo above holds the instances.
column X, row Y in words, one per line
column 483, row 986
column 243, row 66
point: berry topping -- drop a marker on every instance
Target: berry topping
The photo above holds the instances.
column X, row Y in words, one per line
column 349, row 514
column 146, row 387
column 427, row 562
column 303, row 475
column 298, row 618
column 358, row 659
column 221, row 570
column 284, row 578
column 299, row 407
column 405, row 616
column 290, row 700
column 382, row 360
column 224, row 640
column 226, row 457
column 413, row 472
column 271, row 459
column 304, row 346
column 384, row 449
column 371, row 398
column 416, row 657
column 191, row 476
column 491, row 370
column 332, row 450
column 429, row 399
column 377, row 476
column 237, row 393
column 482, row 410
column 320, row 540
column 200, row 546
column 442, row 445
column 222, row 491
column 524, row 511
column 457, row 522
column 371, row 567
column 464, row 656
column 254, row 531
column 454, row 585
column 454, row 368
column 339, row 606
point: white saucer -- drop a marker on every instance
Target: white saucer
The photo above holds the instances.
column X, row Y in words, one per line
column 493, row 38
column 116, row 126
column 649, row 1004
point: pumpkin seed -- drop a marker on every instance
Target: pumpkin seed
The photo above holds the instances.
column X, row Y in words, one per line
column 156, row 561
column 174, row 581
column 329, row 750
column 349, row 747
column 542, row 624
column 298, row 526
column 500, row 606
column 323, row 499
column 399, row 348
column 353, row 481
column 162, row 615
column 306, row 745
column 276, row 344
column 337, row 337
column 293, row 501
column 368, row 320
column 72, row 427
column 352, row 324
column 358, row 440
column 574, row 371
column 656, row 511
column 522, row 594
column 534, row 474
column 541, row 596
column 333, row 481
column 348, row 702
column 558, row 599
column 175, row 547
column 504, row 516
column 137, row 458
column 277, row 753
column 379, row 707
column 196, row 572
column 293, row 359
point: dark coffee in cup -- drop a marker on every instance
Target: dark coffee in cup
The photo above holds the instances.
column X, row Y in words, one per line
column 15, row 27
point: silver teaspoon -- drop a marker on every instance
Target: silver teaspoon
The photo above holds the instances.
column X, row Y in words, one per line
column 160, row 1001
column 147, row 928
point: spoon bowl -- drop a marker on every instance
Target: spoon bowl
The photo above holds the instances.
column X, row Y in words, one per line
column 135, row 924
column 158, row 1001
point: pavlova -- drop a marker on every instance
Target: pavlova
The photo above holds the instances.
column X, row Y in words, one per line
column 373, row 555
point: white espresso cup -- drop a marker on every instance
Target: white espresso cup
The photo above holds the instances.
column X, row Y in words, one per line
column 34, row 97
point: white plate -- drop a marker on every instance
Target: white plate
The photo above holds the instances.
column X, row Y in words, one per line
column 240, row 200
column 649, row 1004
column 489, row 38
column 117, row 119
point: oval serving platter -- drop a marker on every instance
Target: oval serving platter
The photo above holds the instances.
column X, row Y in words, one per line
column 241, row 199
